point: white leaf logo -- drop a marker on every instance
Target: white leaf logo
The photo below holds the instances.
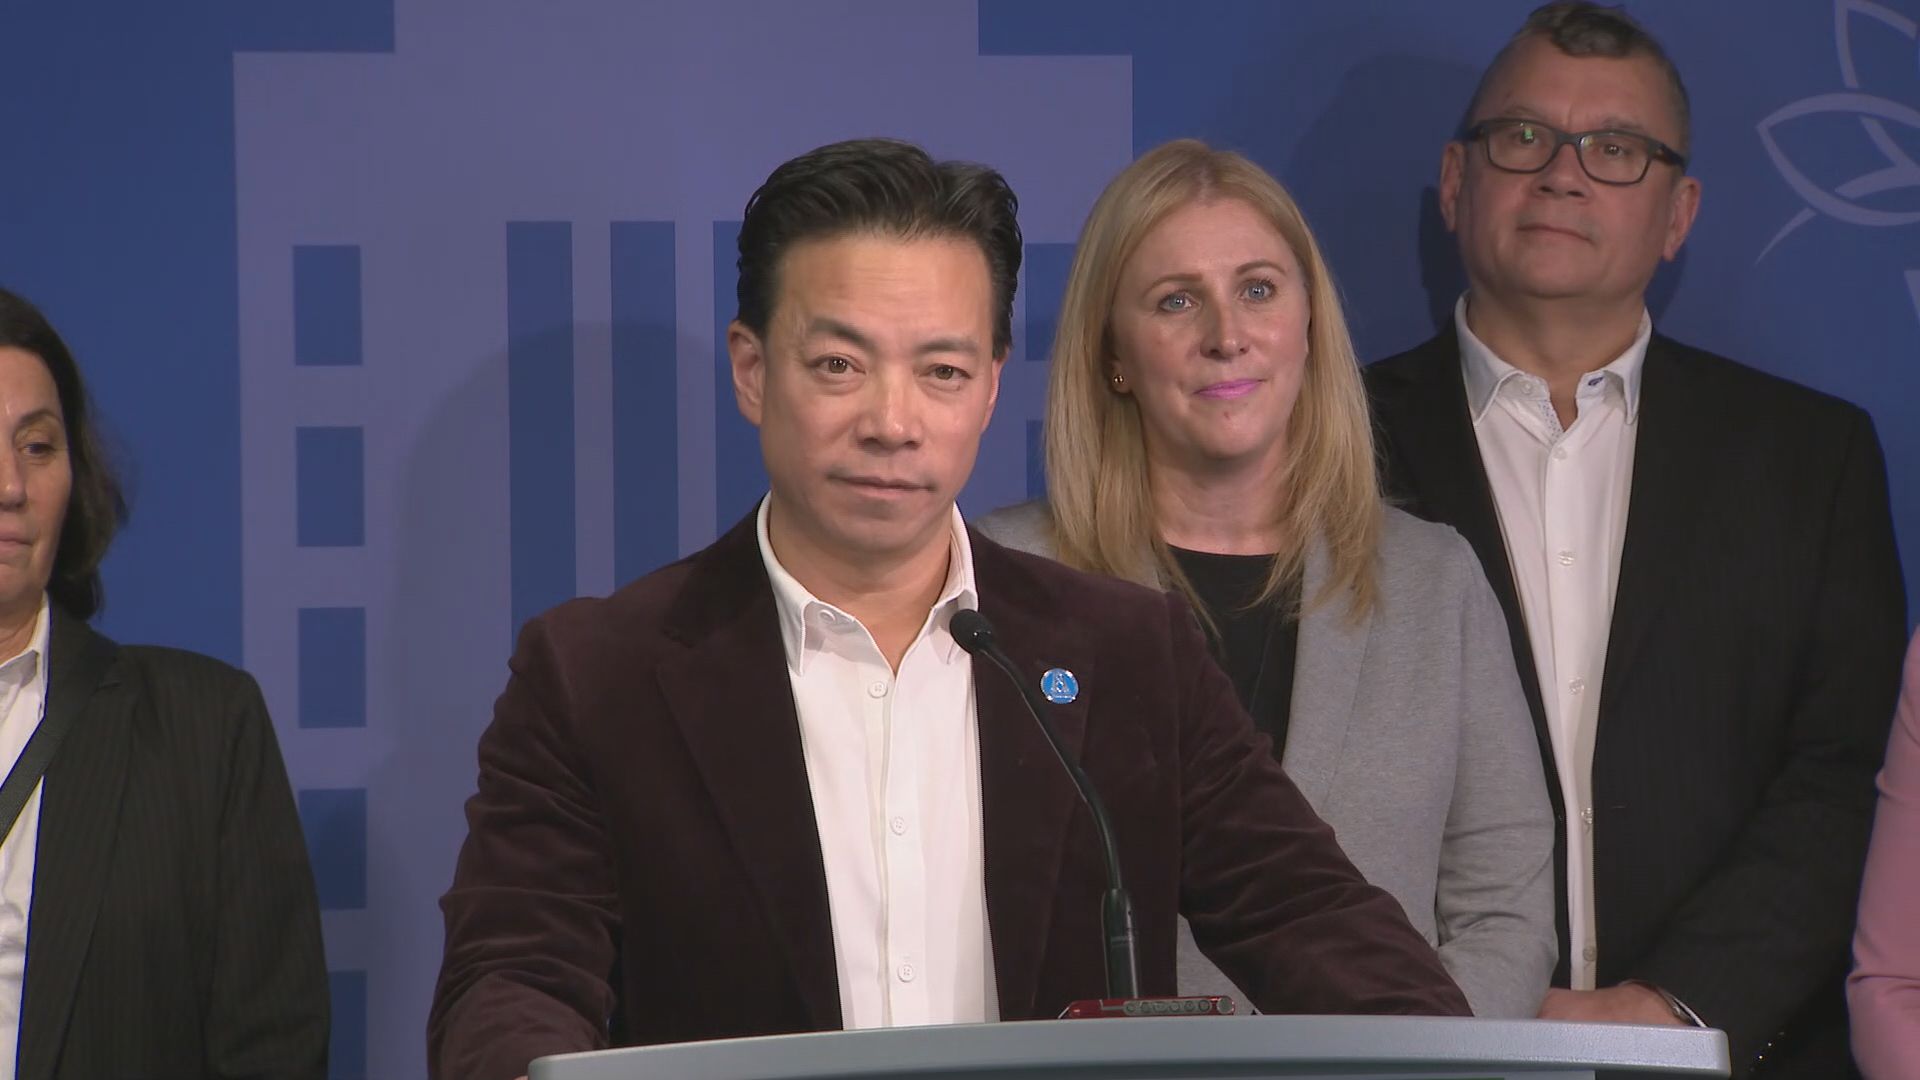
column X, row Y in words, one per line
column 1843, row 201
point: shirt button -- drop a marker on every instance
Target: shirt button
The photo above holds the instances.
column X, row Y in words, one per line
column 905, row 971
column 1566, row 558
column 877, row 689
column 898, row 825
column 1586, row 817
column 826, row 618
column 1559, row 453
column 1589, row 954
column 1577, row 685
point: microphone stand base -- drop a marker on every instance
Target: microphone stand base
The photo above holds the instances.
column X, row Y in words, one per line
column 1103, row 1008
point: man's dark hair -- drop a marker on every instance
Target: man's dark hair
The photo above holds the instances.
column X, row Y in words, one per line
column 1583, row 28
column 881, row 186
column 95, row 508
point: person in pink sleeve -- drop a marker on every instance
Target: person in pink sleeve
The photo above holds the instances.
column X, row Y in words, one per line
column 1883, row 992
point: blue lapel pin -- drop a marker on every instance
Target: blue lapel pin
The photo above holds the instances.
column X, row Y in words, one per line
column 1059, row 686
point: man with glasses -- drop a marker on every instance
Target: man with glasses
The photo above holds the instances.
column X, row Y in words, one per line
column 1696, row 559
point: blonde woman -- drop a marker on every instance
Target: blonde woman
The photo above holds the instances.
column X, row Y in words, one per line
column 1207, row 431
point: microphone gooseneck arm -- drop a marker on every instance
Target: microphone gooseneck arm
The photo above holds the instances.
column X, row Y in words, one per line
column 975, row 635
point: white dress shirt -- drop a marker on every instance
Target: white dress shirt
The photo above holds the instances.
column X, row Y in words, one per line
column 23, row 697
column 893, row 762
column 1562, row 501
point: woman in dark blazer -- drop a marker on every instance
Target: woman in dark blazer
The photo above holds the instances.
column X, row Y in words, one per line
column 157, row 913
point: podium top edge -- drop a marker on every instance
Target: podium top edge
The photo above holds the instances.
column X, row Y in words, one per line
column 1179, row 1043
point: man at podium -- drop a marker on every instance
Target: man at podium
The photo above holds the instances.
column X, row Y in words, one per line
column 766, row 789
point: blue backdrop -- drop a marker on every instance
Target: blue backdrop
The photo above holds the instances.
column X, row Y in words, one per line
column 406, row 312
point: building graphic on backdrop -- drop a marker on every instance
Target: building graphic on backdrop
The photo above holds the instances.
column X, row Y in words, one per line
column 482, row 286
column 1878, row 99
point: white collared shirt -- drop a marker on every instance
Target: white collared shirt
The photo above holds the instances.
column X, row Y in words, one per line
column 893, row 762
column 1562, row 500
column 23, row 695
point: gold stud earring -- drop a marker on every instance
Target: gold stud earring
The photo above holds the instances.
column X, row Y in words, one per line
column 1119, row 381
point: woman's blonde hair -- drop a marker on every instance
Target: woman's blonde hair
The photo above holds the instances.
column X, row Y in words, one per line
column 1097, row 484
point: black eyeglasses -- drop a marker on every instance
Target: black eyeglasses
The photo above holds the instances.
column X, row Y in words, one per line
column 1620, row 158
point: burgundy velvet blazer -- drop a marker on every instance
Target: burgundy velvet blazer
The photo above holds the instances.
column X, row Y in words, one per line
column 642, row 862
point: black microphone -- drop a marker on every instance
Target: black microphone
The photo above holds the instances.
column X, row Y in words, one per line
column 975, row 634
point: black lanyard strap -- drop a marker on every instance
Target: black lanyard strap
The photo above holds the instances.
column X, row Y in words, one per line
column 33, row 761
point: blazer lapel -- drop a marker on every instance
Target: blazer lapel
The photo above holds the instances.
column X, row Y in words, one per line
column 1672, row 466
column 1440, row 458
column 80, row 802
column 1027, row 799
column 1326, row 678
column 733, row 703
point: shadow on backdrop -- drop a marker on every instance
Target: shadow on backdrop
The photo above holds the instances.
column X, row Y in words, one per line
column 1350, row 174
column 444, row 629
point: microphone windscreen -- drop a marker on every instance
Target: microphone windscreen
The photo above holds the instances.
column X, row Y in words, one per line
column 971, row 630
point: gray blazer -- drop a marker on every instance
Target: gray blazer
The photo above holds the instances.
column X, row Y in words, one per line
column 1409, row 734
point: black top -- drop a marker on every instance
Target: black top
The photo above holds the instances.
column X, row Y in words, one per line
column 1255, row 645
column 175, row 924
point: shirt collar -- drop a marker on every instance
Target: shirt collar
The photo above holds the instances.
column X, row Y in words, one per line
column 28, row 664
column 803, row 616
column 1485, row 372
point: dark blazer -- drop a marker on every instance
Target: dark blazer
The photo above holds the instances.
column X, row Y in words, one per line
column 174, row 930
column 643, row 864
column 1750, row 678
